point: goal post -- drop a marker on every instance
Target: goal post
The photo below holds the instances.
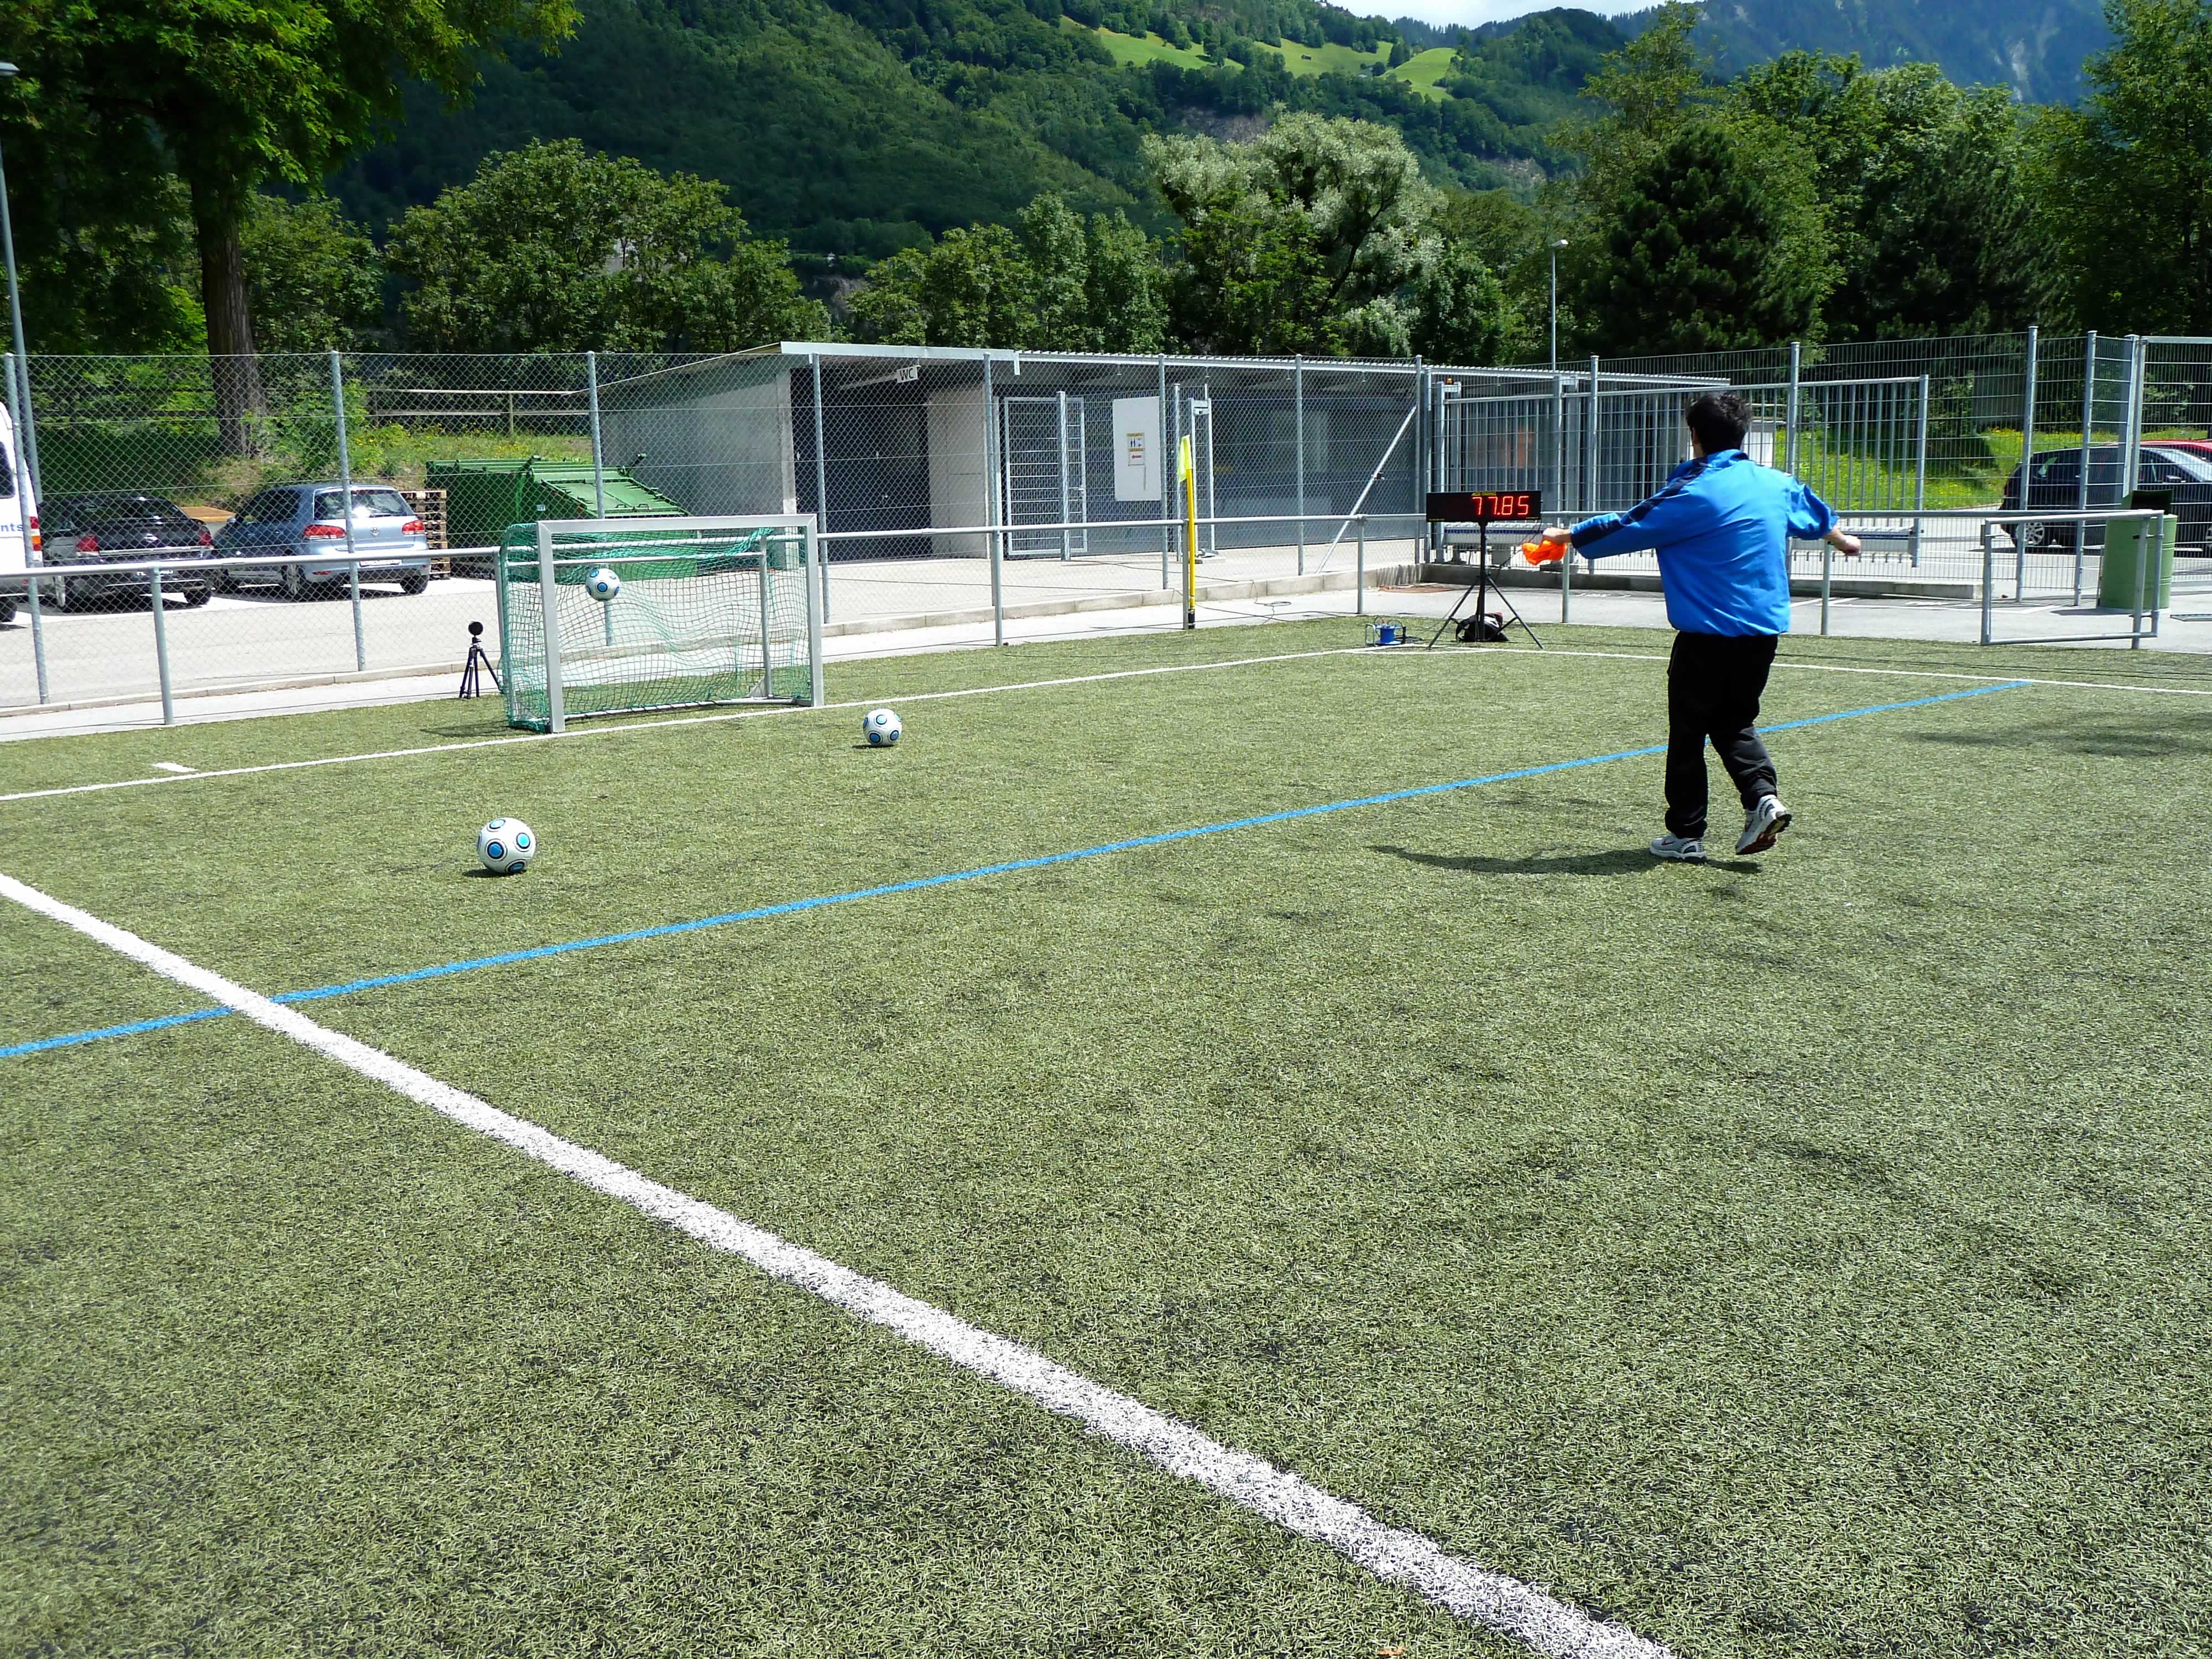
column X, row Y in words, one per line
column 710, row 610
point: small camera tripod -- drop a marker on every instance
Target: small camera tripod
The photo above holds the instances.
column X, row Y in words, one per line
column 471, row 682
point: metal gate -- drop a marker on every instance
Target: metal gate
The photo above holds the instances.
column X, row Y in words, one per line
column 1042, row 475
column 1862, row 444
column 1194, row 419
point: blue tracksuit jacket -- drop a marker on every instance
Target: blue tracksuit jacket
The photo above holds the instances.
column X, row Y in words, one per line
column 1721, row 526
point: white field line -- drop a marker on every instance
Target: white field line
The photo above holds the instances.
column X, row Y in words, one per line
column 1781, row 664
column 680, row 720
column 178, row 767
column 1034, row 686
column 1496, row 1600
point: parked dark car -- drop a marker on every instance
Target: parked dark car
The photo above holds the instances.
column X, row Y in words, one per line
column 309, row 520
column 118, row 529
column 2055, row 481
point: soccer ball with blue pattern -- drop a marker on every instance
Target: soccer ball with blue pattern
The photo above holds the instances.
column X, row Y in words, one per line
column 880, row 727
column 603, row 585
column 506, row 846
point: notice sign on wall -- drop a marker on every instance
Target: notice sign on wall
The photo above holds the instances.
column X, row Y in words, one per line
column 1137, row 449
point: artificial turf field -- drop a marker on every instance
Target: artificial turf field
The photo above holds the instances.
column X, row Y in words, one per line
column 1803, row 1255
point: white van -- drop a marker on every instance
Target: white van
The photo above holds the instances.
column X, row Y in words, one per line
column 17, row 508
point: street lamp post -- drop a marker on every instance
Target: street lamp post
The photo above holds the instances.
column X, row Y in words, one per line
column 15, row 318
column 1557, row 244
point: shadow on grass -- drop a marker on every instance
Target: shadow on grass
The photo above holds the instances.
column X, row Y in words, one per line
column 1615, row 861
column 2074, row 740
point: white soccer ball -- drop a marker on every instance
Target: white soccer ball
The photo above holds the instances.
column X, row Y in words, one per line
column 881, row 727
column 506, row 846
column 603, row 584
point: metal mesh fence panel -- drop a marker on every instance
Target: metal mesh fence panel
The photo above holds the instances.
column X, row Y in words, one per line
column 954, row 486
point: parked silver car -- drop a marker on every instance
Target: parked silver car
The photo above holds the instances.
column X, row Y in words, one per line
column 308, row 520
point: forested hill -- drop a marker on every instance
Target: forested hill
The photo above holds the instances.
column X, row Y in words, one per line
column 2035, row 47
column 857, row 127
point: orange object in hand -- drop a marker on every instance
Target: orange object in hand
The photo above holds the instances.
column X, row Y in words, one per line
column 1544, row 552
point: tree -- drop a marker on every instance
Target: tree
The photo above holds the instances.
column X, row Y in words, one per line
column 1702, row 250
column 1922, row 188
column 1052, row 285
column 240, row 92
column 555, row 248
column 1649, row 89
column 1460, row 311
column 2125, row 182
column 1300, row 240
column 315, row 281
column 102, row 231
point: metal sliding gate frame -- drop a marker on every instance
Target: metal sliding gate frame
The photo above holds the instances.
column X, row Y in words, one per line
column 1043, row 475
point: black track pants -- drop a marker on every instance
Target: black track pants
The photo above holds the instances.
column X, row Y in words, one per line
column 1713, row 686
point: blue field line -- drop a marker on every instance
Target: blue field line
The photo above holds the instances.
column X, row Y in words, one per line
column 791, row 907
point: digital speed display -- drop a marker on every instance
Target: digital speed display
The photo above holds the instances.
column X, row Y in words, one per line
column 1486, row 506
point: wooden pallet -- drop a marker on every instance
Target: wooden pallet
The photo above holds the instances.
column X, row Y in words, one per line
column 429, row 505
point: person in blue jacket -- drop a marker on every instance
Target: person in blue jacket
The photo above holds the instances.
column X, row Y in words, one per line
column 1721, row 525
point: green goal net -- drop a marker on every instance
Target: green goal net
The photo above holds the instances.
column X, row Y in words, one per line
column 708, row 611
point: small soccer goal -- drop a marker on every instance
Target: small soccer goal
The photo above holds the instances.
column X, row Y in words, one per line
column 621, row 615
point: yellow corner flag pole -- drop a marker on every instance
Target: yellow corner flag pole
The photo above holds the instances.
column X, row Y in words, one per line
column 1189, row 535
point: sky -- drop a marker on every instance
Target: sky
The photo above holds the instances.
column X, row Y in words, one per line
column 1471, row 12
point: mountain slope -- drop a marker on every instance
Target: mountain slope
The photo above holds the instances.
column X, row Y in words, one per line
column 820, row 133
column 2034, row 46
column 857, row 126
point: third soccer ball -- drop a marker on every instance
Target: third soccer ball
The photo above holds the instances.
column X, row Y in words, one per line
column 881, row 727
column 506, row 846
column 603, row 584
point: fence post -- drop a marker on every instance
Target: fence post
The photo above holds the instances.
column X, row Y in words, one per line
column 1590, row 442
column 2151, row 546
column 19, row 364
column 1827, row 580
column 1424, row 478
column 1790, row 413
column 1298, row 437
column 1558, row 479
column 161, row 644
column 1165, row 436
column 345, row 511
column 2088, row 437
column 2131, row 439
column 1989, row 585
column 599, row 470
column 598, row 474
column 821, row 483
column 2027, row 454
column 993, row 549
column 1920, row 471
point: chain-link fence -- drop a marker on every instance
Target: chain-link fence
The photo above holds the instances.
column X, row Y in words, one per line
column 964, row 486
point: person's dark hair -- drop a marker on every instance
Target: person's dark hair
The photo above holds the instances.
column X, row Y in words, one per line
column 1719, row 419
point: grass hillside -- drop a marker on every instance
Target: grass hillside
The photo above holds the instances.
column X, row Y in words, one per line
column 860, row 126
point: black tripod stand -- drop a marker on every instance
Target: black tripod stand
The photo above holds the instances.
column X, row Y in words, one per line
column 477, row 664
column 1482, row 627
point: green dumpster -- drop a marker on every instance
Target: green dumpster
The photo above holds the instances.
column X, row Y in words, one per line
column 2126, row 544
column 483, row 498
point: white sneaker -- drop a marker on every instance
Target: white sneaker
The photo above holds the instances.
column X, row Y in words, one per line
column 1763, row 825
column 1680, row 849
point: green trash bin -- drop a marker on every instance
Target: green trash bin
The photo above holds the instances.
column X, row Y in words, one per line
column 2124, row 548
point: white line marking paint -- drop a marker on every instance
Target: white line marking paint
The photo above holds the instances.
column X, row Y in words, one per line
column 178, row 767
column 1496, row 1600
column 1044, row 685
column 684, row 719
